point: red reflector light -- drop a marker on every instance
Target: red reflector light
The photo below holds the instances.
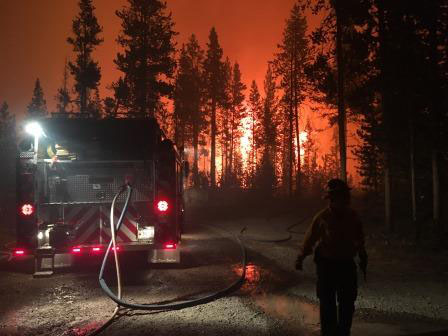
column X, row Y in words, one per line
column 118, row 248
column 96, row 249
column 19, row 252
column 169, row 246
column 162, row 206
column 27, row 209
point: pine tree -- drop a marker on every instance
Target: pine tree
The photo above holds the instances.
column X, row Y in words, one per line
column 6, row 123
column 63, row 98
column 121, row 97
column 289, row 64
column 85, row 71
column 269, row 122
column 266, row 175
column 189, row 113
column 309, row 170
column 148, row 61
column 181, row 97
column 224, row 126
column 368, row 153
column 237, row 112
column 284, row 137
column 95, row 107
column 109, row 107
column 215, row 92
column 38, row 106
column 256, row 110
column 334, row 164
column 7, row 148
column 342, row 62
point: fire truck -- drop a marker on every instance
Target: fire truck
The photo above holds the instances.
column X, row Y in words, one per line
column 68, row 172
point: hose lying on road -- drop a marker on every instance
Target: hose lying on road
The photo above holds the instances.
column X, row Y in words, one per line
column 6, row 252
column 7, row 255
column 173, row 306
column 281, row 240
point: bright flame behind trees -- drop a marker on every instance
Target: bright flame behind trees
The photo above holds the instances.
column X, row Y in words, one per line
column 246, row 146
column 255, row 140
column 289, row 67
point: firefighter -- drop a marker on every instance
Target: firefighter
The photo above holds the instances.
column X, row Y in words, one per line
column 337, row 237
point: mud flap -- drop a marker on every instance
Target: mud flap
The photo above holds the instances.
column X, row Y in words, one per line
column 46, row 264
column 164, row 256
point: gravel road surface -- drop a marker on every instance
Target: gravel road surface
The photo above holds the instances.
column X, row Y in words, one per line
column 275, row 299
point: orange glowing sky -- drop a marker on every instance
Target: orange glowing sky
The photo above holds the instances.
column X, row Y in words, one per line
column 33, row 41
column 33, row 36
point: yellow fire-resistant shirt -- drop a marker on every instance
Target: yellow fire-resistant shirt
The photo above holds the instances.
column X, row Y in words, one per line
column 337, row 235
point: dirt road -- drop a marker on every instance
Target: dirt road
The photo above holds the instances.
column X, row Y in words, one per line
column 275, row 300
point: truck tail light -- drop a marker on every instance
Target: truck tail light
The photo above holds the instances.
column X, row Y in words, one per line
column 27, row 209
column 96, row 249
column 76, row 250
column 169, row 246
column 18, row 252
column 162, row 206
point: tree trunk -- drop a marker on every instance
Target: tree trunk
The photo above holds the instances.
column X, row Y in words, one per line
column 436, row 113
column 213, row 147
column 291, row 127
column 387, row 200
column 83, row 100
column 295, row 90
column 83, row 93
column 412, row 171
column 435, row 190
column 254, row 155
column 299, row 163
column 291, row 151
column 196, row 155
column 386, row 123
column 224, row 163
column 296, row 117
column 231, row 144
column 341, row 102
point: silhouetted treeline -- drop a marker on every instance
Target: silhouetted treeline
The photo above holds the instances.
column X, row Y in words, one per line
column 392, row 57
column 375, row 65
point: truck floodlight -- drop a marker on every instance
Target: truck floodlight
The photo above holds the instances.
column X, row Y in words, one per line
column 34, row 129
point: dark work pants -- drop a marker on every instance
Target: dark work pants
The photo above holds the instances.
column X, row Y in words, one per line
column 336, row 280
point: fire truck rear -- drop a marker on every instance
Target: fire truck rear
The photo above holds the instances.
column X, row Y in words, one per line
column 69, row 170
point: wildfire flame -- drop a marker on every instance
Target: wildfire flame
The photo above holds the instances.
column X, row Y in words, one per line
column 246, row 140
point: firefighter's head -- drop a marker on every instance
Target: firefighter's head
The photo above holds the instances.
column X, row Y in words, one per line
column 338, row 193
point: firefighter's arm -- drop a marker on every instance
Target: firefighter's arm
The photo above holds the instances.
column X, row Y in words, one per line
column 311, row 238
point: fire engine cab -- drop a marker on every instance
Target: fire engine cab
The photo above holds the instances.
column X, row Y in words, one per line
column 68, row 172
